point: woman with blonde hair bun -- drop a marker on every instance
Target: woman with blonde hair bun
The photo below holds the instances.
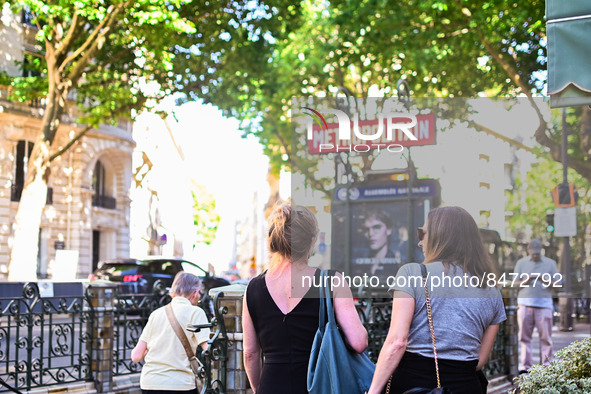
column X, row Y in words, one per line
column 281, row 307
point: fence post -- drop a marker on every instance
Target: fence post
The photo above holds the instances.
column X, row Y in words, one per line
column 101, row 297
column 511, row 331
column 235, row 374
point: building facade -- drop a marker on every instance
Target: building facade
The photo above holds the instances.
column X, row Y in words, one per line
column 87, row 208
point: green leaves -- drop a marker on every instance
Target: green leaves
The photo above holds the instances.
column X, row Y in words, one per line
column 568, row 373
column 205, row 217
column 444, row 49
column 106, row 50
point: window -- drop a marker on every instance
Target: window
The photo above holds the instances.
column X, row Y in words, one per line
column 31, row 65
column 100, row 182
column 21, row 162
column 192, row 268
column 27, row 16
column 169, row 267
column 484, row 218
column 98, row 179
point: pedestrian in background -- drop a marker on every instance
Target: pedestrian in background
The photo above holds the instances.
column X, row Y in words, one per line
column 167, row 367
column 465, row 318
column 281, row 307
column 536, row 275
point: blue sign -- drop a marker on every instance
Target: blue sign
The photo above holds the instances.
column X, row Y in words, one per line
column 398, row 189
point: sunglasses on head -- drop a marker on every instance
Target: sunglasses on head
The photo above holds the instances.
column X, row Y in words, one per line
column 421, row 233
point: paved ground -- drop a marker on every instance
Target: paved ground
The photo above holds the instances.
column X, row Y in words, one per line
column 562, row 339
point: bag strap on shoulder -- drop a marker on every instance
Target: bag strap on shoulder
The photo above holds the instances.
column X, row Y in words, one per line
column 328, row 298
column 326, row 307
column 322, row 309
column 430, row 317
column 180, row 333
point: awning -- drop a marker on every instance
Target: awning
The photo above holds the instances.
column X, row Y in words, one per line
column 569, row 52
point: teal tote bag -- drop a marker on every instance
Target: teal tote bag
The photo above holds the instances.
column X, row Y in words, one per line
column 333, row 368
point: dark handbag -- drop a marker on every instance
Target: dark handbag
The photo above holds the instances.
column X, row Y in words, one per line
column 333, row 368
column 422, row 390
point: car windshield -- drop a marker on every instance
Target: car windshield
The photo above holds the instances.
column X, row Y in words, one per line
column 160, row 266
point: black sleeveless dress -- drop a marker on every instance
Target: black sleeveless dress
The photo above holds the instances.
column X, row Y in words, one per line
column 285, row 339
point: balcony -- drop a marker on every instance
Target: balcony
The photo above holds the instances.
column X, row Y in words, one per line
column 104, row 202
column 16, row 191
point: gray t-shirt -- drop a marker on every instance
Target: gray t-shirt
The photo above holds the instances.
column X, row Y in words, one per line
column 461, row 313
column 538, row 292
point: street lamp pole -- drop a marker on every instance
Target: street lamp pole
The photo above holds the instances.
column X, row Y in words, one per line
column 404, row 97
column 565, row 305
column 344, row 105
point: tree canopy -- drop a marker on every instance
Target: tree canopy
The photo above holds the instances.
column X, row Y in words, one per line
column 250, row 57
column 111, row 59
column 531, row 203
column 443, row 49
column 118, row 55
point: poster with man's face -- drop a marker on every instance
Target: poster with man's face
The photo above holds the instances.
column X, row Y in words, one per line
column 379, row 237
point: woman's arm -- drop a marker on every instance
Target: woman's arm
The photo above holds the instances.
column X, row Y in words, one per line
column 204, row 345
column 348, row 318
column 488, row 340
column 139, row 351
column 200, row 318
column 403, row 307
column 252, row 349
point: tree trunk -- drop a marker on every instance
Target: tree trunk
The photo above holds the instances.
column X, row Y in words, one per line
column 25, row 241
column 23, row 255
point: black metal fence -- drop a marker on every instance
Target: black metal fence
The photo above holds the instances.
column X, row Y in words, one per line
column 44, row 341
column 131, row 315
column 215, row 358
column 47, row 340
column 375, row 314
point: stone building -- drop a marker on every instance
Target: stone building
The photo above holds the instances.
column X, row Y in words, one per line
column 87, row 208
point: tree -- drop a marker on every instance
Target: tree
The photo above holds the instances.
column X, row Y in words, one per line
column 205, row 217
column 103, row 53
column 443, row 49
column 531, row 196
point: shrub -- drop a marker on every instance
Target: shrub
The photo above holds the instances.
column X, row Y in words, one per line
column 568, row 373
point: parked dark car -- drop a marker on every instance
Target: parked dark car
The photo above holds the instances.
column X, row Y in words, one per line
column 137, row 276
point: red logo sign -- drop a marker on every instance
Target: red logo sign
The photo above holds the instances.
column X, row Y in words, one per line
column 325, row 138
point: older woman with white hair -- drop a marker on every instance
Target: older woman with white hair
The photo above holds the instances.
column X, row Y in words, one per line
column 167, row 368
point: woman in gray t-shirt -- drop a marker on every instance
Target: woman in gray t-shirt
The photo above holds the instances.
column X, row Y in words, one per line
column 466, row 307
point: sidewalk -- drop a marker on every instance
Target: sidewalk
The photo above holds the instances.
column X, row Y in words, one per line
column 561, row 339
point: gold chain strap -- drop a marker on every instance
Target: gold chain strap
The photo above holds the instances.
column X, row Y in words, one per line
column 389, row 384
column 430, row 316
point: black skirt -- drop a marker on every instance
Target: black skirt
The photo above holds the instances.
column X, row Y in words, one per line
column 418, row 371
